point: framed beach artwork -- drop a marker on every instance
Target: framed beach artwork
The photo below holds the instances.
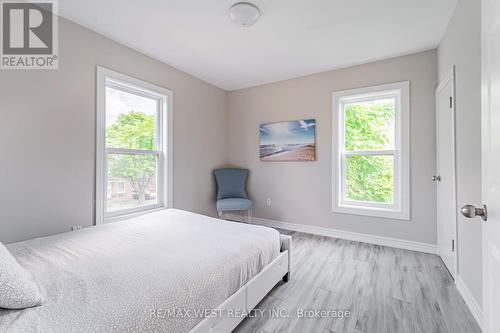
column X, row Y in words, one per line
column 288, row 141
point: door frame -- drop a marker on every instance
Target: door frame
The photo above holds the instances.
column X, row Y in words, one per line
column 449, row 77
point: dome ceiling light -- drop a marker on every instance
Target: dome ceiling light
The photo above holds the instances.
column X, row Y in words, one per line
column 244, row 14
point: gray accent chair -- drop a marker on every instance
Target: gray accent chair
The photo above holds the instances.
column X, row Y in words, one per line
column 231, row 191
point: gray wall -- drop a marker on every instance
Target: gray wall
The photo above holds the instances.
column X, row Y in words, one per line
column 47, row 135
column 461, row 46
column 301, row 191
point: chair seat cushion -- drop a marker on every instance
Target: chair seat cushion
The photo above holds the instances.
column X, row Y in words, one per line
column 234, row 204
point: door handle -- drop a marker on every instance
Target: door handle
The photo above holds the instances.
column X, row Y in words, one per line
column 470, row 211
column 436, row 178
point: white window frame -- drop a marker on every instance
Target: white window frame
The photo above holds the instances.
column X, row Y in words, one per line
column 164, row 152
column 400, row 209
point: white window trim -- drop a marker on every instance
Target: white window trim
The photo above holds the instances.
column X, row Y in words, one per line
column 401, row 207
column 165, row 161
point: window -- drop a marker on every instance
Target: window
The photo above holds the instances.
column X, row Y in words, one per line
column 371, row 158
column 120, row 187
column 134, row 154
column 115, row 187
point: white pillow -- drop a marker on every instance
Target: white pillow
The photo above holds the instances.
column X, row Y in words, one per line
column 17, row 291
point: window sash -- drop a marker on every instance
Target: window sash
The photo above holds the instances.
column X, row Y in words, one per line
column 127, row 88
column 370, row 98
column 370, row 204
column 159, row 180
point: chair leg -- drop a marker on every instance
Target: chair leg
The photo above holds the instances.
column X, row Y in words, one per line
column 219, row 212
column 249, row 216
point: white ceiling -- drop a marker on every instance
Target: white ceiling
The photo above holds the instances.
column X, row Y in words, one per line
column 292, row 38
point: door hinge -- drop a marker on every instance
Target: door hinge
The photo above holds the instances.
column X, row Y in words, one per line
column 452, row 245
column 451, row 102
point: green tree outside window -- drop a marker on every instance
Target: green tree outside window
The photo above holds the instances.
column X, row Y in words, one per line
column 133, row 130
column 369, row 126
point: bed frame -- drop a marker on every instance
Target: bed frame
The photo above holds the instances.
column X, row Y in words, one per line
column 250, row 294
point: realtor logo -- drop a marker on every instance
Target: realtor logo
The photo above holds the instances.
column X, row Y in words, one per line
column 29, row 35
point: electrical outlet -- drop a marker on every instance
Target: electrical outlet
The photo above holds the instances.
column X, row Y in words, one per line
column 268, row 202
column 76, row 227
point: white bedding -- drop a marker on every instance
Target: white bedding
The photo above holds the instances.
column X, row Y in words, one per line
column 111, row 277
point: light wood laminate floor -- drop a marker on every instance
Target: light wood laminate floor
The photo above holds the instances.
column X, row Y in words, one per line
column 385, row 290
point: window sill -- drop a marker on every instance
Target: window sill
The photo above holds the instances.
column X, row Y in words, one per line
column 372, row 212
column 127, row 216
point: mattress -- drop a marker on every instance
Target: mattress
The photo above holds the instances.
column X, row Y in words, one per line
column 153, row 273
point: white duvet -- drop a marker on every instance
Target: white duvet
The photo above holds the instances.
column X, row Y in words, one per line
column 118, row 277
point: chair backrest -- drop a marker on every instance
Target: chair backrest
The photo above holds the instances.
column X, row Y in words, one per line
column 231, row 183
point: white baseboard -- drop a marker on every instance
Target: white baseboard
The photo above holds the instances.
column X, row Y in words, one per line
column 474, row 308
column 336, row 233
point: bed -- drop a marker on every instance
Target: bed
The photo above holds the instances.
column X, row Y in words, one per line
column 167, row 271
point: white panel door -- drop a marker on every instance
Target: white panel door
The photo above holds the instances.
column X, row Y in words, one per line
column 445, row 175
column 491, row 163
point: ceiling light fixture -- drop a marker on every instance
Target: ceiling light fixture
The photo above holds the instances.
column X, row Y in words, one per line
column 244, row 14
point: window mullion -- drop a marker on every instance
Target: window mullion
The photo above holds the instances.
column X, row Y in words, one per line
column 369, row 152
column 125, row 151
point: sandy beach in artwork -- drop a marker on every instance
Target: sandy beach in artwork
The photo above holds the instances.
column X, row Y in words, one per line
column 303, row 153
